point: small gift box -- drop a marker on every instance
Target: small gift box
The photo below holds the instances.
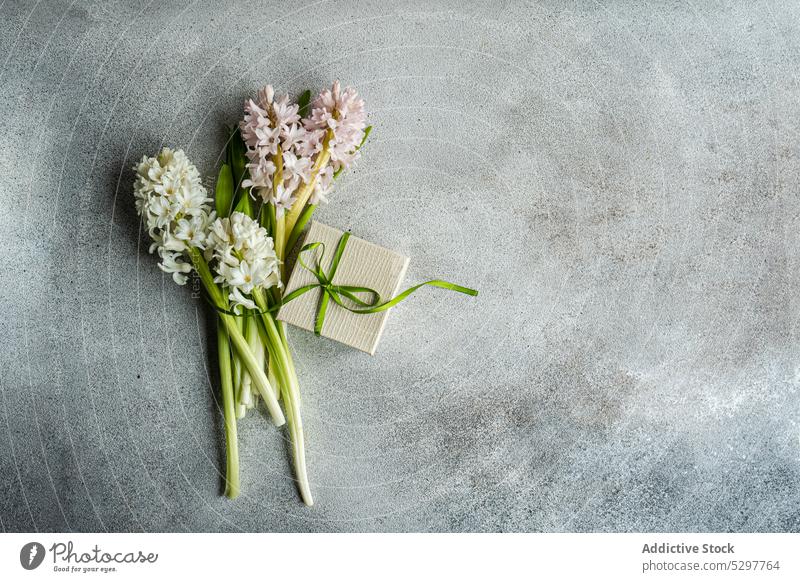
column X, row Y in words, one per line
column 361, row 263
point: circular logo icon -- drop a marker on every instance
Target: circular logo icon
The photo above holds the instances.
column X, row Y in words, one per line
column 31, row 555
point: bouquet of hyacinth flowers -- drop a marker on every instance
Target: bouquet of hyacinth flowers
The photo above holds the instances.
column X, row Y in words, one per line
column 281, row 162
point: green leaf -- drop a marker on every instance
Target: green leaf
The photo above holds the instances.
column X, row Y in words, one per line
column 230, row 129
column 244, row 205
column 224, row 191
column 299, row 226
column 237, row 155
column 268, row 217
column 304, row 101
column 367, row 131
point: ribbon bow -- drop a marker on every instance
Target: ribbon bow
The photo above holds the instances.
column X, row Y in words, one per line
column 336, row 292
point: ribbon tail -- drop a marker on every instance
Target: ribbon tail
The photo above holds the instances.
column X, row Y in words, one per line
column 397, row 299
column 323, row 307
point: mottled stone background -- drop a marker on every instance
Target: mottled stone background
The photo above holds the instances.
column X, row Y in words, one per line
column 619, row 179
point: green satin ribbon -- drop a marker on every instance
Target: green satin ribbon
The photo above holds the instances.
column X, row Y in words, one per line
column 336, row 292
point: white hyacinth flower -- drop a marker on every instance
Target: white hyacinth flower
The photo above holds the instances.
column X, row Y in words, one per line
column 245, row 257
column 175, row 207
column 171, row 263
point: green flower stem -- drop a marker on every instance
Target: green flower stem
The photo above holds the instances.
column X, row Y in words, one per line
column 278, row 235
column 238, row 375
column 280, row 238
column 278, row 350
column 249, row 361
column 256, row 371
column 304, row 192
column 285, row 339
column 237, row 386
column 245, row 387
column 231, row 439
column 272, row 377
column 254, row 339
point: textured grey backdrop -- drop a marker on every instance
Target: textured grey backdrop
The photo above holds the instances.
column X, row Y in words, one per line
column 619, row 180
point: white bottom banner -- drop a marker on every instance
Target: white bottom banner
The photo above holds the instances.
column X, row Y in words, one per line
column 356, row 557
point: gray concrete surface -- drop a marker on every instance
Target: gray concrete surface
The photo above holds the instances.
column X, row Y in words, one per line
column 619, row 179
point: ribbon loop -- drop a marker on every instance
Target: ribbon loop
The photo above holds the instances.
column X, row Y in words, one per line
column 336, row 292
